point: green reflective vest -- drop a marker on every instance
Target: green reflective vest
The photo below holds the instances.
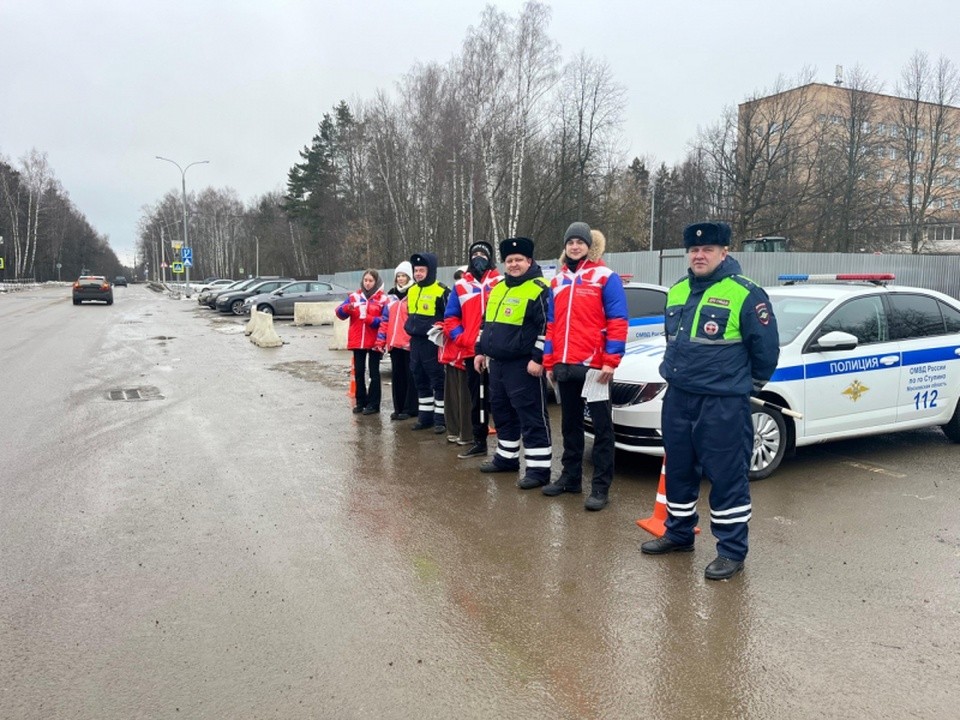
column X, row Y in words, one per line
column 717, row 316
column 423, row 300
column 508, row 305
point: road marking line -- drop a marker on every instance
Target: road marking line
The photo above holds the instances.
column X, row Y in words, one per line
column 876, row 470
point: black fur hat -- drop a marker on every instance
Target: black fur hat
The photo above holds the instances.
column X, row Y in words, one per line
column 706, row 233
column 511, row 246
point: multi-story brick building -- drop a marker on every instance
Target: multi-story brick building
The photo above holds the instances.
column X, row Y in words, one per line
column 845, row 169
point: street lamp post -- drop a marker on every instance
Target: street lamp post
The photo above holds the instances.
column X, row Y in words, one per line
column 183, row 187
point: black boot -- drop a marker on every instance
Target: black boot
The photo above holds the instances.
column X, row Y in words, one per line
column 478, row 449
column 562, row 485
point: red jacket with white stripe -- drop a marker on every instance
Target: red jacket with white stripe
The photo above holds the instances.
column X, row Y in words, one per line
column 392, row 335
column 587, row 315
column 464, row 315
column 362, row 334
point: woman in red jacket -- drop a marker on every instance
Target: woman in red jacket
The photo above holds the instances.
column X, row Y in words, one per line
column 364, row 309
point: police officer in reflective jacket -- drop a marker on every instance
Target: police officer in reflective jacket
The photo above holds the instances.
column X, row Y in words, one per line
column 722, row 346
column 510, row 345
column 426, row 301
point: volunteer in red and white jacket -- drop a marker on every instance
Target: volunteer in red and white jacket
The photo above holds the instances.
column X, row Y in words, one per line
column 364, row 309
column 586, row 329
column 461, row 326
column 394, row 339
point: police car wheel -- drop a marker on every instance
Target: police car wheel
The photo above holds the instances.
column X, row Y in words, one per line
column 769, row 442
column 952, row 428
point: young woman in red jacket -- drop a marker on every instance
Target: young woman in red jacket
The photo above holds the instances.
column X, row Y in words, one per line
column 364, row 309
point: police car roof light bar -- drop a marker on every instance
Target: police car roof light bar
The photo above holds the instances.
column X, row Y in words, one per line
column 875, row 278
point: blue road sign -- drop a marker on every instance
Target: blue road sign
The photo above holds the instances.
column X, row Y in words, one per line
column 186, row 255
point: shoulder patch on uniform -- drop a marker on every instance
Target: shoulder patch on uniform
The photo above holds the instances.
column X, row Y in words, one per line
column 763, row 313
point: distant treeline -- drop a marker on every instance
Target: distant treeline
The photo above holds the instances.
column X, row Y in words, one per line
column 41, row 227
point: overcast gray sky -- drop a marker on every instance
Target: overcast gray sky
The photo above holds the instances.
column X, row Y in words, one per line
column 102, row 87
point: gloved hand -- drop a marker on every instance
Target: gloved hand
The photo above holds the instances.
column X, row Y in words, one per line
column 757, row 388
column 435, row 335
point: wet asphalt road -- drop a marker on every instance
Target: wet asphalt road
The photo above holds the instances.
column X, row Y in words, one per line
column 239, row 545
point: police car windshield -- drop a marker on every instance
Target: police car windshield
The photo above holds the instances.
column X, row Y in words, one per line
column 794, row 314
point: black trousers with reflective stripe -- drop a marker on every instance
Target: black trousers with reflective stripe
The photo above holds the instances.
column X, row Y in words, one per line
column 518, row 401
column 708, row 436
column 428, row 376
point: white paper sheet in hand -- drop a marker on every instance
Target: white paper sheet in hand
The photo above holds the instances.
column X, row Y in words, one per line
column 593, row 389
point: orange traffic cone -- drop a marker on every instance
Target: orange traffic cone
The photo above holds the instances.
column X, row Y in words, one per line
column 656, row 523
column 353, row 380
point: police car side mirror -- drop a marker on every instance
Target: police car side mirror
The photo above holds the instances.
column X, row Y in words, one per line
column 836, row 340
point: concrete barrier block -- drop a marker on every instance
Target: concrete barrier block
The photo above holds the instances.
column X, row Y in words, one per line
column 252, row 323
column 315, row 313
column 263, row 334
column 340, row 330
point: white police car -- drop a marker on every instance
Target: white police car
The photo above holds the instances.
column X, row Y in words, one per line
column 857, row 357
column 645, row 306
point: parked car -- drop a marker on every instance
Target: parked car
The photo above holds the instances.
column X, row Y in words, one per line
column 92, row 287
column 280, row 302
column 209, row 297
column 857, row 357
column 231, row 301
column 199, row 287
column 120, row 280
column 645, row 307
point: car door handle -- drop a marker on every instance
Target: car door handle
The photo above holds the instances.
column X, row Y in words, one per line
column 889, row 360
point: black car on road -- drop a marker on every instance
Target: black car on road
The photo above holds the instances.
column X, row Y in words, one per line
column 92, row 287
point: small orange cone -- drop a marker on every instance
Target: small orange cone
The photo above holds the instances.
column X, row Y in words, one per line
column 656, row 523
column 353, row 380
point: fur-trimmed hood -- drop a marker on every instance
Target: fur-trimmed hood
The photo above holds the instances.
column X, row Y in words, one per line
column 598, row 243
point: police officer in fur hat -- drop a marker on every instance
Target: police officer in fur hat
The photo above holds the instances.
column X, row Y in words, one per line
column 510, row 346
column 722, row 346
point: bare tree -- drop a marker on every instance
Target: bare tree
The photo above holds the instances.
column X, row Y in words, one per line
column 36, row 178
column 388, row 149
column 926, row 125
column 716, row 146
column 852, row 182
column 483, row 70
column 534, row 60
column 591, row 113
column 13, row 192
column 776, row 155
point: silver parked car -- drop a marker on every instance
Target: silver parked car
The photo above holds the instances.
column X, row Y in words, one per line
column 280, row 302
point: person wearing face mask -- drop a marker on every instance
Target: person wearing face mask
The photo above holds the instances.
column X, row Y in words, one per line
column 461, row 326
column 586, row 338
column 364, row 309
column 394, row 339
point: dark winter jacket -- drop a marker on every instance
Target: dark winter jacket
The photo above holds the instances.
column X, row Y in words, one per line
column 721, row 333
